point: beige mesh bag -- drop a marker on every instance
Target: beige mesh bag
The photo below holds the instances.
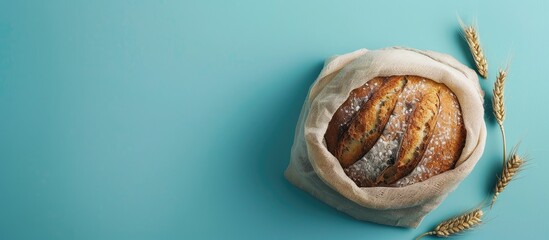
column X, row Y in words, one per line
column 314, row 169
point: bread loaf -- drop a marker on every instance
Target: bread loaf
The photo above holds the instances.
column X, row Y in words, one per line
column 396, row 131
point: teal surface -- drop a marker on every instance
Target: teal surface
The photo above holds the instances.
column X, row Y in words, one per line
column 174, row 119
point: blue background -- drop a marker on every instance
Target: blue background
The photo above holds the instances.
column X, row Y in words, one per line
column 174, row 119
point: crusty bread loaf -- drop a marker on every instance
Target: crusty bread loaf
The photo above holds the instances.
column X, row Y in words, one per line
column 395, row 131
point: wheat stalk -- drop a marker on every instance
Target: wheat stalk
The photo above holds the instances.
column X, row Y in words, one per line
column 498, row 105
column 512, row 167
column 471, row 36
column 456, row 224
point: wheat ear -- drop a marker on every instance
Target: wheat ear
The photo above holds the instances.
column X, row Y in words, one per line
column 471, row 36
column 512, row 167
column 456, row 224
column 498, row 105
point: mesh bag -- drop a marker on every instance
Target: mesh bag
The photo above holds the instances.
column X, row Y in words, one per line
column 314, row 169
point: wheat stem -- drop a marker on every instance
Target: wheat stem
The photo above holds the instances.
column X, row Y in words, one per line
column 426, row 234
column 504, row 143
column 498, row 105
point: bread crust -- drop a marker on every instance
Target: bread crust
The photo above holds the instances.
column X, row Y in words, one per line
column 421, row 119
column 445, row 145
column 368, row 124
column 415, row 140
column 344, row 114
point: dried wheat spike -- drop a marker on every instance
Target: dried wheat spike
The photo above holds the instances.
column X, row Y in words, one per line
column 498, row 101
column 456, row 224
column 471, row 36
column 509, row 171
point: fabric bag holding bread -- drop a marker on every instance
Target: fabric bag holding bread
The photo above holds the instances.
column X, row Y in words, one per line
column 384, row 135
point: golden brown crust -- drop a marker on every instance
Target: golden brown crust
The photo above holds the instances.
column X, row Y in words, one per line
column 344, row 114
column 389, row 139
column 446, row 144
column 415, row 140
column 369, row 122
column 412, row 123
